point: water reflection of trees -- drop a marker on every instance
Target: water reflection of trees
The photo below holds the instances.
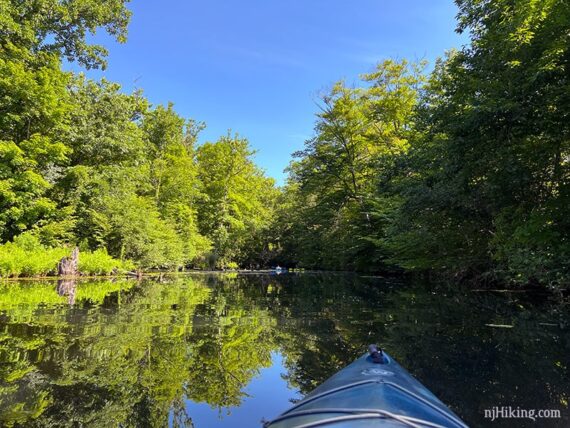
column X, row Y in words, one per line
column 128, row 354
column 104, row 362
column 443, row 336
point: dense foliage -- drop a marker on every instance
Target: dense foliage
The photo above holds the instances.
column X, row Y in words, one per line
column 83, row 163
column 26, row 256
column 463, row 171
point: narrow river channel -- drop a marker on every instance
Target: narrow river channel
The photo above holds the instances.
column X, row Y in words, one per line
column 227, row 350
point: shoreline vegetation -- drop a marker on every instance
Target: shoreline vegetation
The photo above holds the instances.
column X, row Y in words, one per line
column 160, row 275
column 461, row 171
column 27, row 257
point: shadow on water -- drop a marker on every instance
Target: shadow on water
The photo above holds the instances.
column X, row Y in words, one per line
column 124, row 353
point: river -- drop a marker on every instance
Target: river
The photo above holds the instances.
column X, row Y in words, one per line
column 228, row 350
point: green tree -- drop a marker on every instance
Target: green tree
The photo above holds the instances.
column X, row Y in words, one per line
column 82, row 162
column 34, row 103
column 105, row 125
column 340, row 196
column 238, row 197
column 176, row 189
column 53, row 26
column 490, row 175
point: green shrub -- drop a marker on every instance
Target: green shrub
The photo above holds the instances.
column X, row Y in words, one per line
column 232, row 266
column 26, row 256
column 99, row 262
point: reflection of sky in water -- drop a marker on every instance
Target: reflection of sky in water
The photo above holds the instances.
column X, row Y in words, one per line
column 268, row 395
column 117, row 353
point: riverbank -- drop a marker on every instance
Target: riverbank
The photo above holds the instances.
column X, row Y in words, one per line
column 27, row 257
column 157, row 274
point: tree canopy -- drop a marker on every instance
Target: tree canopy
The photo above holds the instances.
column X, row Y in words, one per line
column 462, row 169
column 84, row 163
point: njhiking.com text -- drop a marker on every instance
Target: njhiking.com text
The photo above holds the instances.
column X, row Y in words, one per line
column 509, row 412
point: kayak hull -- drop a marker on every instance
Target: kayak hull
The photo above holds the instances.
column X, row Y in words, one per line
column 369, row 394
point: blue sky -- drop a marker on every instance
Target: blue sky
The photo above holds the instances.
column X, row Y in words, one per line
column 257, row 66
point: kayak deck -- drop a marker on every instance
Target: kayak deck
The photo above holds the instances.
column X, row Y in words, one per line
column 369, row 394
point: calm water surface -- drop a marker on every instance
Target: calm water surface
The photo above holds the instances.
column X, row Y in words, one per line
column 228, row 350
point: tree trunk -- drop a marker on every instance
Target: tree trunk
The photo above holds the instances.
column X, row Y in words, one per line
column 68, row 266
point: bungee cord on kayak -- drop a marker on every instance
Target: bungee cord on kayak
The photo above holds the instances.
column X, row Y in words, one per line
column 361, row 413
column 385, row 394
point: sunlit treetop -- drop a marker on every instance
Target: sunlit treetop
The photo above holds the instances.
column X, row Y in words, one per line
column 63, row 26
